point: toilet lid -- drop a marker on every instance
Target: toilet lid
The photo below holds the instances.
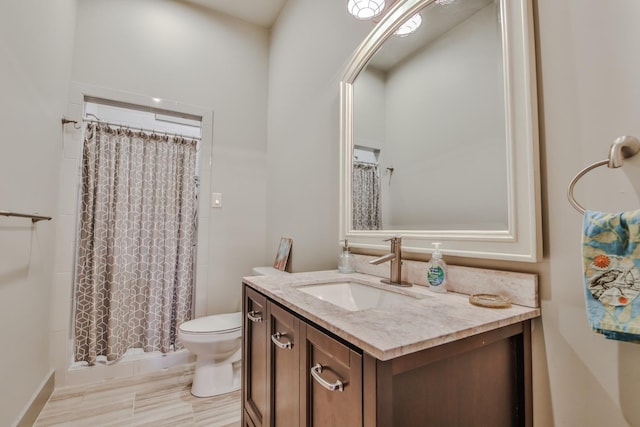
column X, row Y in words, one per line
column 216, row 323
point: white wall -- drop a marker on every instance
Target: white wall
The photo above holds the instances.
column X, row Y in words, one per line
column 589, row 68
column 311, row 44
column 194, row 60
column 175, row 51
column 456, row 79
column 370, row 130
column 36, row 44
column 588, row 75
column 369, row 124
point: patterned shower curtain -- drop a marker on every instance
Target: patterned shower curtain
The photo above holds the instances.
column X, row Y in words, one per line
column 136, row 244
column 366, row 197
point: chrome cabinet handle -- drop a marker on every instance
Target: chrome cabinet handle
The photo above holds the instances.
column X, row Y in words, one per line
column 254, row 316
column 276, row 340
column 316, row 370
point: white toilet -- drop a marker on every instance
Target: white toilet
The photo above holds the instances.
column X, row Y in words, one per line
column 267, row 271
column 217, row 343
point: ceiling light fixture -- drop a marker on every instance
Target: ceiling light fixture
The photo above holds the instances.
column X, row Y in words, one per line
column 444, row 2
column 410, row 26
column 365, row 9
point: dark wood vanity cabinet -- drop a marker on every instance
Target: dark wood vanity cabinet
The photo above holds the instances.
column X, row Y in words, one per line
column 255, row 396
column 296, row 374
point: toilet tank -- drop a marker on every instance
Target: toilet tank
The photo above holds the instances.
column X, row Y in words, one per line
column 267, row 271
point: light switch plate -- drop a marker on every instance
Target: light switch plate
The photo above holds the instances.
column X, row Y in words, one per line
column 216, row 200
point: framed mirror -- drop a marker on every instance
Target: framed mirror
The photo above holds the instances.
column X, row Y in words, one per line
column 439, row 132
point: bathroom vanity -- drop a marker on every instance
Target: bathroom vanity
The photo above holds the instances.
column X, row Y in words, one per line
column 330, row 349
column 380, row 357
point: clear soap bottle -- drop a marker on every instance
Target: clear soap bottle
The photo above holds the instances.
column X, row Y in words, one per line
column 437, row 271
column 346, row 260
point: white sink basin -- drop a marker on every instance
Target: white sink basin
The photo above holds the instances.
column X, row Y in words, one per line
column 355, row 296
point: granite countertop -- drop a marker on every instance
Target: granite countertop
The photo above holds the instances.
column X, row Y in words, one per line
column 427, row 320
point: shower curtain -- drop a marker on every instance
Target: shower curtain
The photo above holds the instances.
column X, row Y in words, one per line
column 136, row 243
column 366, row 196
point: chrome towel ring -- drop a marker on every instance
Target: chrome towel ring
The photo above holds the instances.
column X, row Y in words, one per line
column 622, row 148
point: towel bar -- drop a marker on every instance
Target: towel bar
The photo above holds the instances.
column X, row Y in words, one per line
column 34, row 218
column 622, row 148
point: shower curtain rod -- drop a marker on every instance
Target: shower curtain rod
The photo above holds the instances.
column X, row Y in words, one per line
column 121, row 125
column 366, row 163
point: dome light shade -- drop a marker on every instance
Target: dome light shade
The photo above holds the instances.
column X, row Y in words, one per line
column 410, row 26
column 365, row 9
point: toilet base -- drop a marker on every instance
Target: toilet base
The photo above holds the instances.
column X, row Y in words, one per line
column 213, row 379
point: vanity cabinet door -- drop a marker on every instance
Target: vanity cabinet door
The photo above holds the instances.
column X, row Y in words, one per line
column 255, row 351
column 246, row 420
column 332, row 383
column 284, row 362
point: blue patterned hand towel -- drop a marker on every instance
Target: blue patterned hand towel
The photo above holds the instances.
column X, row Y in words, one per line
column 611, row 255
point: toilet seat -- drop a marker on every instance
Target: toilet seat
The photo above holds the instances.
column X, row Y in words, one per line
column 215, row 324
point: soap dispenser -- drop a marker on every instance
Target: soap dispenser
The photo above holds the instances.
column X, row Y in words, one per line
column 437, row 271
column 346, row 261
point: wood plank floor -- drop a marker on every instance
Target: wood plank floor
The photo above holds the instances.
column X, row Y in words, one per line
column 161, row 399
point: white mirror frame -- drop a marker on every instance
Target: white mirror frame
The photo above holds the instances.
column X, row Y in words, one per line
column 521, row 241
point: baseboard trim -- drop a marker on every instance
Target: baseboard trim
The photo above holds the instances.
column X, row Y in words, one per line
column 40, row 397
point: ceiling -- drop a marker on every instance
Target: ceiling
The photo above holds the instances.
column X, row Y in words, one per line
column 259, row 12
column 436, row 20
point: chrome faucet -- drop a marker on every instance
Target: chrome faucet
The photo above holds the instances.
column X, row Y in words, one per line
column 395, row 256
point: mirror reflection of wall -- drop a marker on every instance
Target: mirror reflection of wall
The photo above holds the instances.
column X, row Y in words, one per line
column 437, row 118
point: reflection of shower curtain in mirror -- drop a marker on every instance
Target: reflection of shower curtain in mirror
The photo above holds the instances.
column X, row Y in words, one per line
column 134, row 272
column 366, row 196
